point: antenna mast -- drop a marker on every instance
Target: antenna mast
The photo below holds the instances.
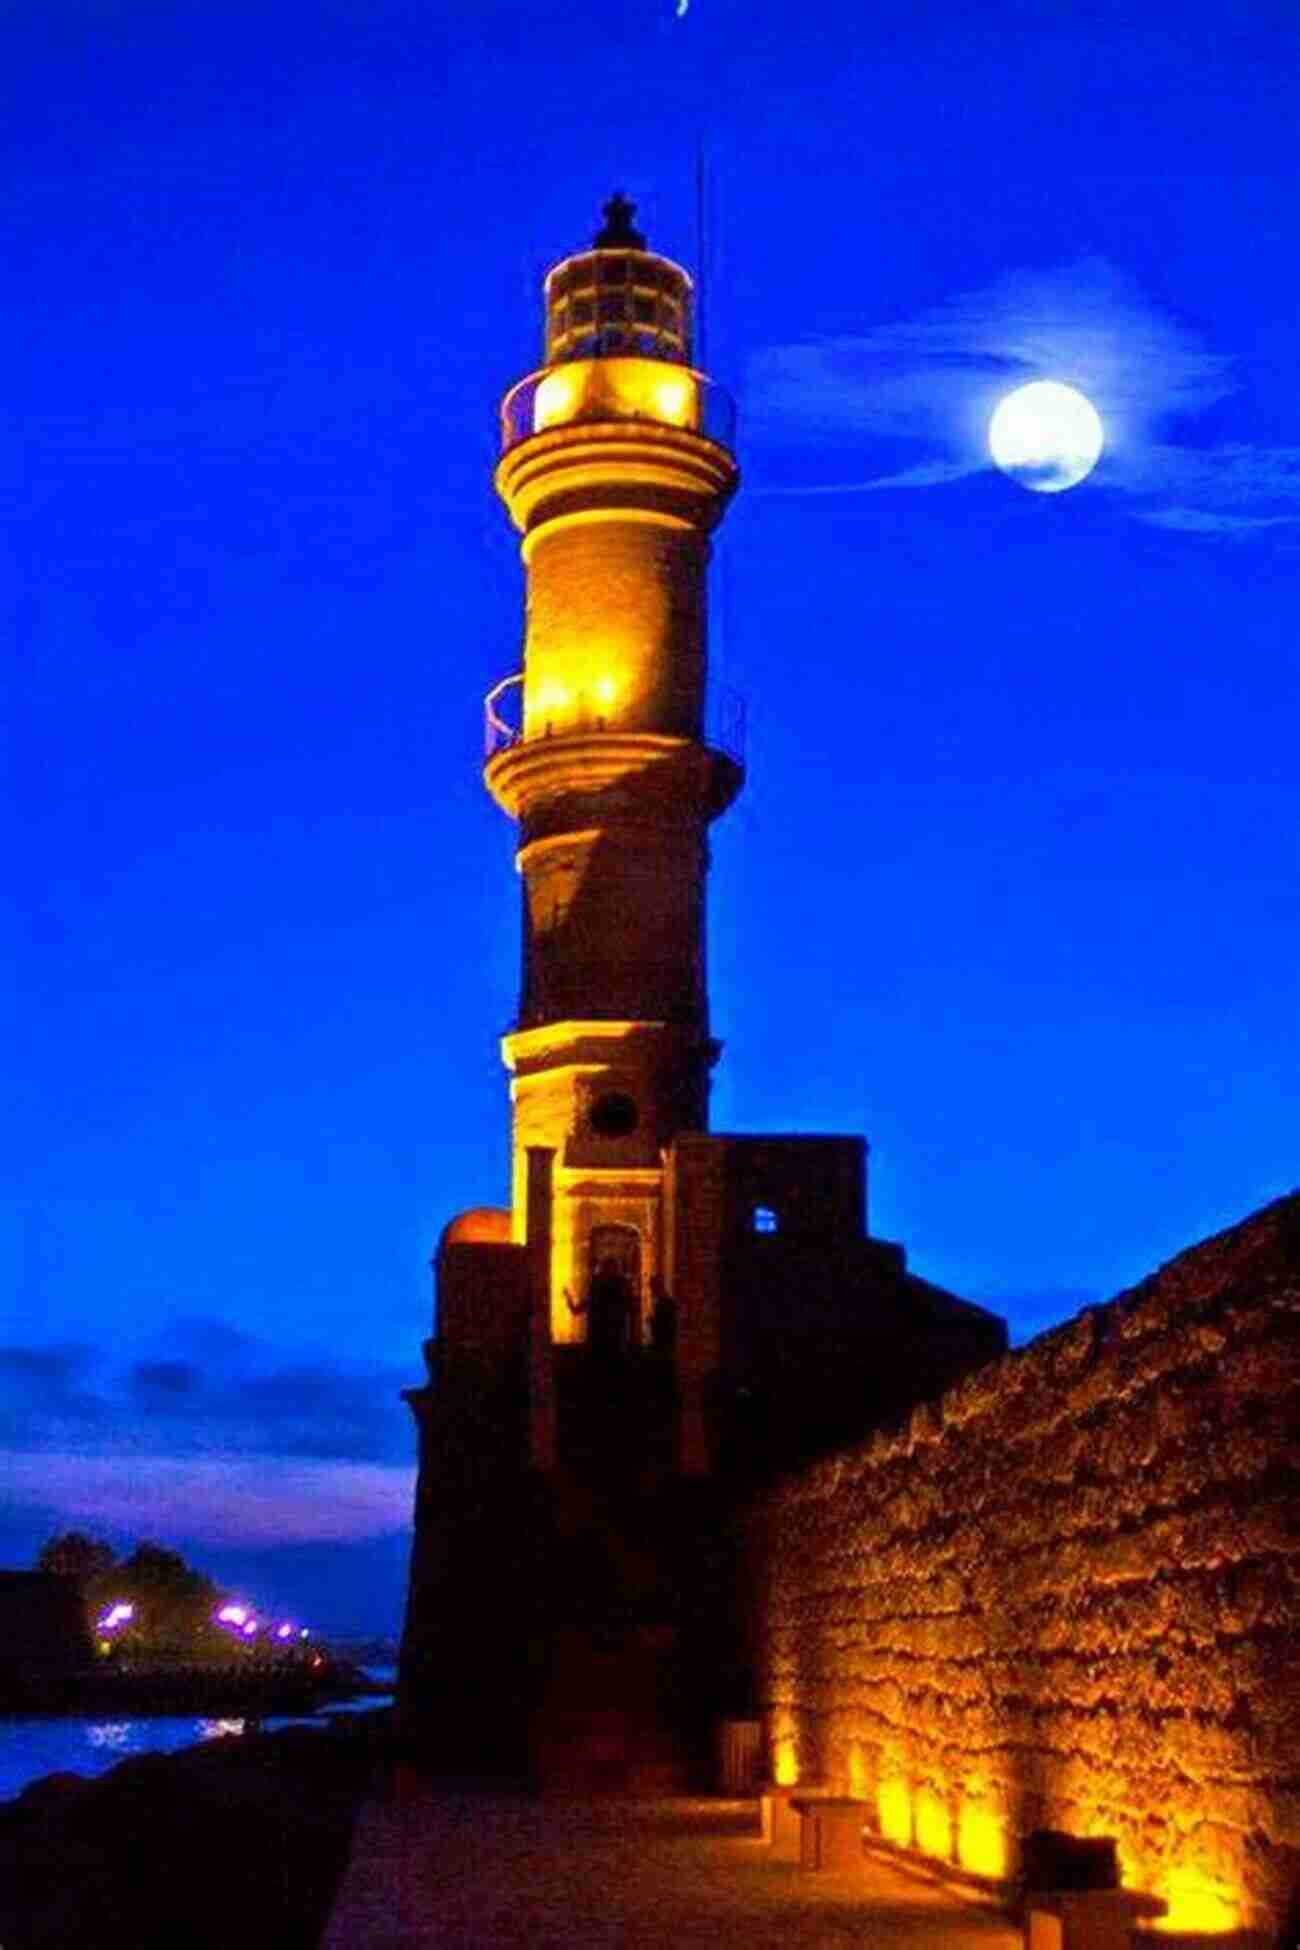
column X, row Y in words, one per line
column 701, row 254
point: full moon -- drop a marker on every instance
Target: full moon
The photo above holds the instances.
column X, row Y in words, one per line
column 1046, row 436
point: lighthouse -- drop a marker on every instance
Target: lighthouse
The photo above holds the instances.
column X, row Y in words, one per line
column 610, row 753
column 661, row 1317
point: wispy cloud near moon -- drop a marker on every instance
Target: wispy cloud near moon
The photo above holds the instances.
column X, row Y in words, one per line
column 934, row 380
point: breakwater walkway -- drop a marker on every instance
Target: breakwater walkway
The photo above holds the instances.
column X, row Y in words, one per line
column 480, row 1871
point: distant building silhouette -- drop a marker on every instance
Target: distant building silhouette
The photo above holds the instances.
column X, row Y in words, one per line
column 44, row 1633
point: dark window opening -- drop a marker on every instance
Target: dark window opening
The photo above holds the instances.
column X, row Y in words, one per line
column 614, row 1115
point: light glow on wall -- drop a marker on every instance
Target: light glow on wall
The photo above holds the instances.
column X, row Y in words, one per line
column 595, row 679
column 785, row 1751
column 1197, row 1905
column 933, row 1824
column 556, row 397
column 673, row 398
column 982, row 1842
column 549, row 700
column 617, row 389
column 894, row 1811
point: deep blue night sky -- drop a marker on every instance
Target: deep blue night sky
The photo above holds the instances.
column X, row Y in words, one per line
column 1013, row 884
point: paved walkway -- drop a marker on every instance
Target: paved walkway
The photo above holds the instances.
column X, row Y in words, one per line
column 492, row 1870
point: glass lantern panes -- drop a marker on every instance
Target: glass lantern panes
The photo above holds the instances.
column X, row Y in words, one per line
column 607, row 302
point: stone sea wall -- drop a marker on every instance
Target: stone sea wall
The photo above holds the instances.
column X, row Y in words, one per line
column 1067, row 1595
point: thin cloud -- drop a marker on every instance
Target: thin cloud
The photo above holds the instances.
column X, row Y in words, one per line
column 930, row 473
column 1201, row 521
column 229, row 1500
column 933, row 381
column 202, row 1390
column 52, row 1393
column 1225, row 490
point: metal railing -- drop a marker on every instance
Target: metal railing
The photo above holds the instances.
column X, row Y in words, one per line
column 503, row 714
column 503, row 719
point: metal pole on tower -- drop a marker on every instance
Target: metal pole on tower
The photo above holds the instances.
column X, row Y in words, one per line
column 701, row 252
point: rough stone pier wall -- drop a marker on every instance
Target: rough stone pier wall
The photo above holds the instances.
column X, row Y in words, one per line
column 1067, row 1594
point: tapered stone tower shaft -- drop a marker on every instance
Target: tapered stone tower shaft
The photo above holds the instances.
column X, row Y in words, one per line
column 616, row 467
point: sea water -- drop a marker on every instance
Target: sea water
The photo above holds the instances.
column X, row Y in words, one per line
column 32, row 1747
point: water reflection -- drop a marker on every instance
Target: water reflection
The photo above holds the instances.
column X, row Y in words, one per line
column 113, row 1733
column 32, row 1748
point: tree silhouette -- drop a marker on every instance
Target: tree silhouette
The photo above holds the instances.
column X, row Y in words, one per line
column 71, row 1554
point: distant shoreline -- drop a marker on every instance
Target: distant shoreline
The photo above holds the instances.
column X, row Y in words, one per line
column 193, row 1690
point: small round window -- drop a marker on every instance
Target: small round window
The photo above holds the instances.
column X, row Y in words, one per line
column 614, row 1115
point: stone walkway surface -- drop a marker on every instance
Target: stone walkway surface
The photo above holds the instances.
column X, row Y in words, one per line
column 488, row 1870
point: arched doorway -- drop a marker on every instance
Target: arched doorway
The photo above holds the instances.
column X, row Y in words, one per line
column 617, row 1249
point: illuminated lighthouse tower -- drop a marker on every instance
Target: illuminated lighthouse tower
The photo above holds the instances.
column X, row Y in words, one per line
column 616, row 469
column 663, row 1316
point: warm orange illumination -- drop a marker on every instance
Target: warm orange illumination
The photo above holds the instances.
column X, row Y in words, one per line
column 556, row 398
column 482, row 1225
column 550, row 700
column 1197, row 1905
column 785, row 1750
column 982, row 1843
column 617, row 389
column 673, row 399
column 933, row 1824
column 858, row 1777
column 894, row 1809
column 580, row 690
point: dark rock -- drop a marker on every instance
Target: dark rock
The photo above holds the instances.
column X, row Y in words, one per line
column 234, row 1840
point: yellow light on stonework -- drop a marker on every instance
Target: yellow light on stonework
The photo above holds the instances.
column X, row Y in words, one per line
column 858, row 1779
column 933, row 1824
column 672, row 398
column 556, row 397
column 582, row 688
column 1198, row 1906
column 981, row 1843
column 616, row 389
column 550, row 699
column 894, row 1810
column 785, row 1757
column 646, row 389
